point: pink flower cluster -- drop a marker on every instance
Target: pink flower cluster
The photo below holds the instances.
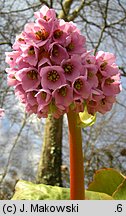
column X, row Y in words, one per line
column 52, row 71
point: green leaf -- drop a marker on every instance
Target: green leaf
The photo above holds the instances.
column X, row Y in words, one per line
column 91, row 195
column 85, row 119
column 29, row 191
column 106, row 181
column 120, row 193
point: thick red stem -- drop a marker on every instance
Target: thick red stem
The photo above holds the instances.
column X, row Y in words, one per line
column 77, row 190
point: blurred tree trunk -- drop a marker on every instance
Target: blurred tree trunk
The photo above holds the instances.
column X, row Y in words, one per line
column 49, row 170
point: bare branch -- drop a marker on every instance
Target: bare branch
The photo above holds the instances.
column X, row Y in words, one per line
column 13, row 147
column 76, row 11
column 21, row 10
column 103, row 28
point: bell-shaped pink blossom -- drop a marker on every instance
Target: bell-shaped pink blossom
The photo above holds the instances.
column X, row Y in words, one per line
column 63, row 96
column 81, row 87
column 75, row 43
column 31, row 99
column 88, row 59
column 36, row 35
column 44, row 98
column 31, row 109
column 59, row 33
column 72, row 67
column 20, row 39
column 111, row 85
column 30, row 54
column 92, row 76
column 93, row 101
column 20, row 93
column 43, row 113
column 57, row 53
column 52, row 77
column 12, row 58
column 29, row 78
column 106, row 104
column 11, row 79
column 106, row 64
column 46, row 14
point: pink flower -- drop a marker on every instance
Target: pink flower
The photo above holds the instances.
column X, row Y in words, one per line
column 29, row 54
column 111, row 85
column 106, row 104
column 12, row 58
column 90, row 68
column 81, row 87
column 46, row 14
column 88, row 59
column 106, row 64
column 75, row 43
column 63, row 96
column 70, row 27
column 93, row 101
column 43, row 113
column 52, row 72
column 11, row 79
column 59, row 32
column 1, row 112
column 44, row 98
column 31, row 109
column 29, row 78
column 58, row 113
column 72, row 67
column 20, row 39
column 36, row 35
column 52, row 77
column 57, row 53
column 20, row 93
column 92, row 76
column 31, row 99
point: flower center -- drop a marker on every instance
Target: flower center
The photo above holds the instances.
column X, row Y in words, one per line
column 63, row 91
column 32, row 75
column 42, row 34
column 88, row 61
column 70, row 47
column 46, row 18
column 103, row 102
column 99, row 75
column 20, row 39
column 103, row 65
column 68, row 68
column 90, row 74
column 58, row 33
column 55, row 51
column 34, row 93
column 92, row 103
column 78, row 84
column 43, row 95
column 31, row 51
column 53, row 75
column 109, row 81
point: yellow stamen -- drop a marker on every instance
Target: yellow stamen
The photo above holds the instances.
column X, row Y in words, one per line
column 53, row 75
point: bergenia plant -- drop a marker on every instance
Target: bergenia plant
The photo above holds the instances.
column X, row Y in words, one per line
column 53, row 73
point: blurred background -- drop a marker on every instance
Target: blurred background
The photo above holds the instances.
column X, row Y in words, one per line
column 103, row 23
